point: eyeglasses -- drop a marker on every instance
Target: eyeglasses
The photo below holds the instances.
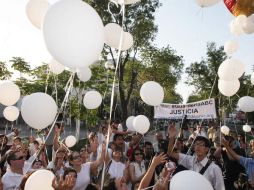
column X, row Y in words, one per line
column 76, row 157
column 19, row 158
column 199, row 144
column 138, row 153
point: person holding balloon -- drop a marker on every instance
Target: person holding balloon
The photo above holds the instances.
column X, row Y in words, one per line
column 199, row 161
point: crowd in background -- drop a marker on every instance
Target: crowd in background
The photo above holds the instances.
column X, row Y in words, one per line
column 128, row 161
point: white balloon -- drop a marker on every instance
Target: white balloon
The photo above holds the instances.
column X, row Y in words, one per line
column 251, row 18
column 70, row 141
column 11, row 113
column 127, row 2
column 35, row 10
column 231, row 47
column 240, row 20
column 189, row 180
column 248, row 26
column 113, row 34
column 40, row 180
column 129, row 123
column 152, row 93
column 38, row 110
column 127, row 41
column 246, row 104
column 141, row 124
column 55, row 67
column 84, row 74
column 207, row 3
column 9, row 93
column 246, row 128
column 235, row 28
column 231, row 69
column 92, row 99
column 74, row 33
column 252, row 78
column 224, row 129
column 228, row 88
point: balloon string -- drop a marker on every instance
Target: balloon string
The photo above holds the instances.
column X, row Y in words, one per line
column 55, row 79
column 112, row 91
column 53, row 124
column 46, row 86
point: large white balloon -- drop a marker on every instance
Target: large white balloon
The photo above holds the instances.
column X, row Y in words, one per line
column 38, row 110
column 127, row 41
column 228, row 88
column 207, row 3
column 231, row 69
column 11, row 113
column 9, row 93
column 40, row 180
column 252, row 78
column 246, row 104
column 186, row 180
column 55, row 67
column 92, row 99
column 224, row 129
column 231, row 47
column 246, row 128
column 141, row 124
column 70, row 141
column 35, row 10
column 84, row 74
column 129, row 123
column 74, row 33
column 152, row 93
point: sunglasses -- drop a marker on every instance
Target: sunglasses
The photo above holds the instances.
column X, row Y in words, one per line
column 76, row 157
column 139, row 153
column 19, row 158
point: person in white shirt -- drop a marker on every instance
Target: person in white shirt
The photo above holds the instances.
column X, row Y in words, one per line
column 12, row 178
column 199, row 161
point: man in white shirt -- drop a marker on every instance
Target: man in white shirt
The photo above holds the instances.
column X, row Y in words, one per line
column 199, row 161
column 12, row 178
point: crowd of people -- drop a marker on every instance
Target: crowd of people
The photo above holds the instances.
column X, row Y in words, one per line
column 125, row 160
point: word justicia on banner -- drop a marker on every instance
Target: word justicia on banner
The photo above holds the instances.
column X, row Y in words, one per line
column 204, row 109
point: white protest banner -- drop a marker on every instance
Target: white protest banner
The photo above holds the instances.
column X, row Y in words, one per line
column 204, row 109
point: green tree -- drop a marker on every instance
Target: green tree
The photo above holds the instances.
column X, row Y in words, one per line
column 203, row 76
column 4, row 72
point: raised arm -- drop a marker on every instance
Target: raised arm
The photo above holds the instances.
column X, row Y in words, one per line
column 161, row 158
column 230, row 151
column 172, row 133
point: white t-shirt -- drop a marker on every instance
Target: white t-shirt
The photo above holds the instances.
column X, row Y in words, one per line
column 83, row 178
column 11, row 181
column 116, row 169
column 139, row 170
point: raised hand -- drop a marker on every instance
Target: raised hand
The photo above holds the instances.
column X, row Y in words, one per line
column 159, row 159
column 172, row 132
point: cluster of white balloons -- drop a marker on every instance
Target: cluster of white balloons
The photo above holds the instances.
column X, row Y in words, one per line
column 188, row 179
column 229, row 73
column 242, row 25
column 140, row 124
column 246, row 104
column 206, row 3
column 38, row 110
column 152, row 93
column 92, row 99
column 113, row 33
column 9, row 95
